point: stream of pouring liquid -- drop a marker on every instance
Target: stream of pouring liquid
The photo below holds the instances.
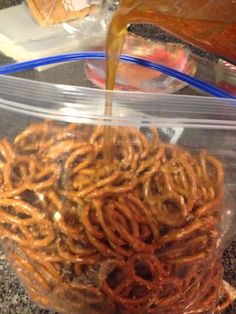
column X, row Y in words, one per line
column 115, row 42
column 207, row 24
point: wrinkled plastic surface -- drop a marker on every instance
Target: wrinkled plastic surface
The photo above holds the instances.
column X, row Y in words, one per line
column 143, row 232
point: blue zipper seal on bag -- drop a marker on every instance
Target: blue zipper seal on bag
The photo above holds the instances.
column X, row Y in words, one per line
column 100, row 55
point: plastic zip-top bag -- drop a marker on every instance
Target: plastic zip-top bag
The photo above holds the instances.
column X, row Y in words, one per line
column 116, row 213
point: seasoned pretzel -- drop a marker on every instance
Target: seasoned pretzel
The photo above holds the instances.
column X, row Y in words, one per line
column 135, row 234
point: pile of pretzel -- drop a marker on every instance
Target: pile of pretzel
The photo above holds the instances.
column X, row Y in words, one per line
column 138, row 234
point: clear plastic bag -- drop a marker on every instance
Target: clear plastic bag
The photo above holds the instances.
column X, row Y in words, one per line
column 142, row 232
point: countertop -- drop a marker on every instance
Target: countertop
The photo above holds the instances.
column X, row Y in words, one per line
column 13, row 299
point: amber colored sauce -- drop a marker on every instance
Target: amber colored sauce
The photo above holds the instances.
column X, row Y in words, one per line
column 207, row 24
